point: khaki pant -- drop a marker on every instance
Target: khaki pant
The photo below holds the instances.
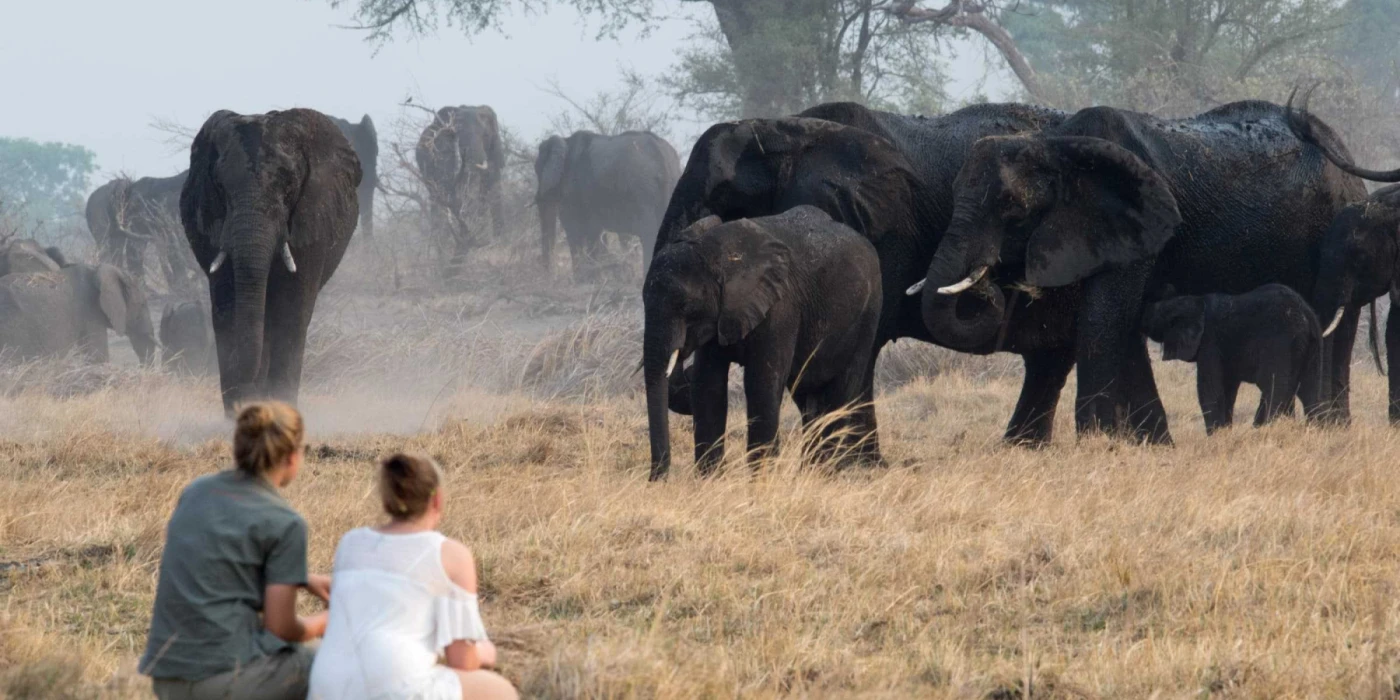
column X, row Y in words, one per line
column 282, row 676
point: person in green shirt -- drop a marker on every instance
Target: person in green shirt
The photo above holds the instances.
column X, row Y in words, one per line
column 225, row 624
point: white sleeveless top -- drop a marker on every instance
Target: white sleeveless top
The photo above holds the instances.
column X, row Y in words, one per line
column 392, row 611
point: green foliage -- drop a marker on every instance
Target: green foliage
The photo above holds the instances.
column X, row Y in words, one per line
column 46, row 182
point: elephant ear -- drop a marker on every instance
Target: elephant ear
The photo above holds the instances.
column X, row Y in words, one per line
column 113, row 287
column 495, row 150
column 1111, row 209
column 698, row 229
column 754, row 273
column 553, row 159
column 1183, row 337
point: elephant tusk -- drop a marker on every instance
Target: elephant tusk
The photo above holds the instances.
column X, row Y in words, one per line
column 483, row 165
column 218, row 262
column 1335, row 321
column 916, row 287
column 287, row 258
column 967, row 282
column 671, row 366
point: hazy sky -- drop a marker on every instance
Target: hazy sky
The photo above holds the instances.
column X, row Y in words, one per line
column 97, row 72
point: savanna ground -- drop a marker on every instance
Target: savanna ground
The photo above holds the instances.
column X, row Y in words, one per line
column 1253, row 564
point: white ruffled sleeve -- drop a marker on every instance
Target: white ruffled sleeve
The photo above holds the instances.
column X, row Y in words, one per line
column 458, row 617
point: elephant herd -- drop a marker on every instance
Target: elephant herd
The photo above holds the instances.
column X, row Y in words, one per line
column 264, row 215
column 1013, row 228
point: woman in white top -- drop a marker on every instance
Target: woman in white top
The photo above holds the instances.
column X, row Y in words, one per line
column 404, row 594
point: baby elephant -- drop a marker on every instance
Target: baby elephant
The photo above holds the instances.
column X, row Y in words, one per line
column 49, row 313
column 187, row 339
column 792, row 298
column 1268, row 337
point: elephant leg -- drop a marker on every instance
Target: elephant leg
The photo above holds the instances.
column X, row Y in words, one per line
column 1107, row 331
column 497, row 199
column 1392, row 356
column 763, row 394
column 1033, row 422
column 1147, row 417
column 1276, row 397
column 1216, row 392
column 709, row 402
column 225, row 336
column 866, row 432
column 291, row 301
column 1338, row 367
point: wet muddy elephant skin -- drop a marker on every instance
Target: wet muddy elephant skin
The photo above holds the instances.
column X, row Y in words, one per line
column 269, row 209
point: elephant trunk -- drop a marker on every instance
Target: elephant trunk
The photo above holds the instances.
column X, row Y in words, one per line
column 661, row 346
column 961, row 306
column 549, row 228
column 251, row 247
column 366, row 196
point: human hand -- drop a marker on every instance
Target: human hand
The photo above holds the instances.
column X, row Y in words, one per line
column 485, row 653
column 319, row 585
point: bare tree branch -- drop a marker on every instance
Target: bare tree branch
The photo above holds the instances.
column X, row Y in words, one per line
column 962, row 13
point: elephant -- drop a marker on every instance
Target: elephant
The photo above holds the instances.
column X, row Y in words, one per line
column 591, row 183
column 124, row 216
column 793, row 298
column 888, row 176
column 187, row 339
column 1057, row 237
column 55, row 311
column 461, row 160
column 269, row 210
column 1268, row 337
column 1359, row 264
column 365, row 140
column 28, row 255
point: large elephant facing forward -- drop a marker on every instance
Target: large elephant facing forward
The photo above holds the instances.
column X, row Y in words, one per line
column 593, row 183
column 269, row 210
column 365, row 140
column 125, row 216
column 461, row 159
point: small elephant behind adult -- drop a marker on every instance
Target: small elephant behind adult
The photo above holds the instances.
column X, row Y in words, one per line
column 53, row 312
column 187, row 339
column 1268, row 337
column 794, row 299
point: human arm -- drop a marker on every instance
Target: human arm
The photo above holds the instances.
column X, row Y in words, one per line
column 466, row 654
column 319, row 585
column 280, row 615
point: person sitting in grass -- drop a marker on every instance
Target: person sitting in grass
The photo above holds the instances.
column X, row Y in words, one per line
column 225, row 625
column 405, row 594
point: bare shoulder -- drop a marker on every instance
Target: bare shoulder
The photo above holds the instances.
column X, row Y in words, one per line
column 459, row 564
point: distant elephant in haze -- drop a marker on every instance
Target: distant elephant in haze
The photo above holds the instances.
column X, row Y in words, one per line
column 1359, row 263
column 269, row 209
column 365, row 140
column 53, row 312
column 461, row 160
column 27, row 255
column 187, row 339
column 1268, row 337
column 793, row 298
column 124, row 216
column 593, row 183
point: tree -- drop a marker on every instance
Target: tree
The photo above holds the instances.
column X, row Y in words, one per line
column 759, row 58
column 47, row 181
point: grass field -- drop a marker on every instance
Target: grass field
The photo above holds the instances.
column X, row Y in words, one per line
column 1254, row 564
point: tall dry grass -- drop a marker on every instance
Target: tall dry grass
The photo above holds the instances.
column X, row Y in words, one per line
column 1257, row 563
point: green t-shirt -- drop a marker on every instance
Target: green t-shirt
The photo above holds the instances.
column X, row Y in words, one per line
column 230, row 536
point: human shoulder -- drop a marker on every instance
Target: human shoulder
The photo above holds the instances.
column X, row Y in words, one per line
column 459, row 564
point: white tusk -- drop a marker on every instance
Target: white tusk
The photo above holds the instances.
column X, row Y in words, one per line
column 671, row 366
column 218, row 262
column 1335, row 320
column 916, row 287
column 483, row 165
column 963, row 285
column 287, row 258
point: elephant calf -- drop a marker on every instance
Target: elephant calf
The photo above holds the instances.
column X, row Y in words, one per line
column 1268, row 337
column 187, row 339
column 49, row 313
column 794, row 299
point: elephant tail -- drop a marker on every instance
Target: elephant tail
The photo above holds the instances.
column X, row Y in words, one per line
column 1373, row 340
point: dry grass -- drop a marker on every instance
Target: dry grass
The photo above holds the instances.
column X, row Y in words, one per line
column 1253, row 564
